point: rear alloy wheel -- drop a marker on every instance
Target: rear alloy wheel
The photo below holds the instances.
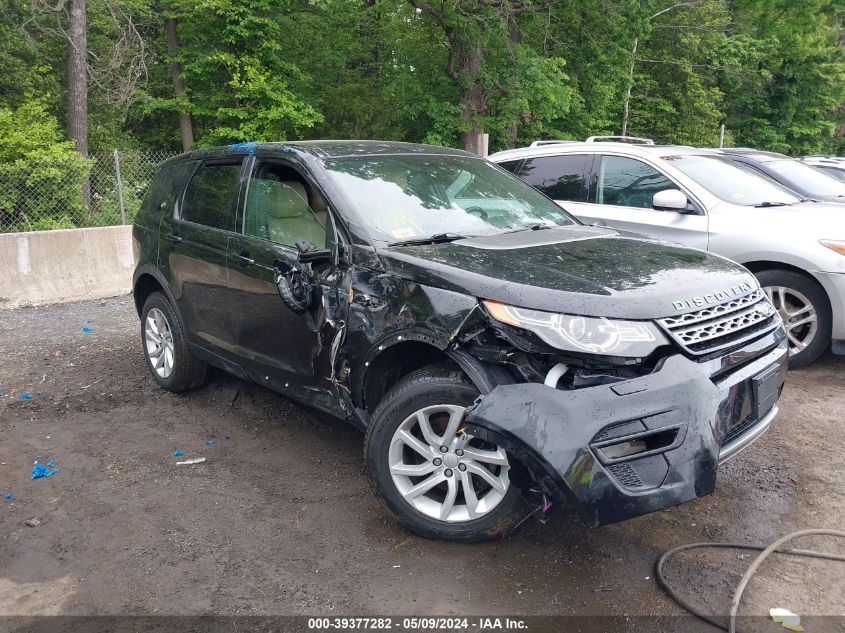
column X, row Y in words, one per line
column 170, row 360
column 805, row 311
column 158, row 343
column 436, row 479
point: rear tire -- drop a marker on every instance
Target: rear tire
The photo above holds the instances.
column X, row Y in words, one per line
column 468, row 504
column 166, row 347
column 805, row 310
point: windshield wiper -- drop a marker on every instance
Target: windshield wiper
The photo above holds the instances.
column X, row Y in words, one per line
column 530, row 227
column 437, row 238
column 771, row 204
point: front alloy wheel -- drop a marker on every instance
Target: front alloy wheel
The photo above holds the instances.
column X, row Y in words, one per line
column 805, row 310
column 434, row 477
column 444, row 473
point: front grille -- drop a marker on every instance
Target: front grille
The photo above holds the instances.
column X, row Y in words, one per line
column 720, row 326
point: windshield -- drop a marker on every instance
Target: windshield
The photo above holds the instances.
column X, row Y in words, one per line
column 408, row 197
column 836, row 172
column 733, row 182
column 810, row 179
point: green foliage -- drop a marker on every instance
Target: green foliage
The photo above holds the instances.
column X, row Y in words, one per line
column 773, row 71
column 790, row 74
column 33, row 158
column 233, row 60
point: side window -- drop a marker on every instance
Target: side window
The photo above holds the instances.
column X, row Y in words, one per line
column 628, row 182
column 281, row 208
column 510, row 165
column 559, row 177
column 165, row 187
column 212, row 195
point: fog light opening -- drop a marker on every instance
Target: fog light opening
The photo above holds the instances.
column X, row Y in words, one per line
column 625, row 449
column 642, row 443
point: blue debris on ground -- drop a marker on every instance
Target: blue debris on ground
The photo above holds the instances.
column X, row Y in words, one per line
column 88, row 326
column 9, row 496
column 177, row 453
column 26, row 396
column 209, row 442
column 40, row 470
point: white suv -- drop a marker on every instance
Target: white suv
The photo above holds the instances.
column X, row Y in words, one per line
column 700, row 198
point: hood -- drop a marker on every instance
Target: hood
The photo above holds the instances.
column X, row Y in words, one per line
column 575, row 269
column 817, row 218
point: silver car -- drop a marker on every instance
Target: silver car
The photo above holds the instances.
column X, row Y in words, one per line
column 703, row 199
column 833, row 165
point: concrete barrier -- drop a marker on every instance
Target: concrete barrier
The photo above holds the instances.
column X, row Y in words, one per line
column 66, row 265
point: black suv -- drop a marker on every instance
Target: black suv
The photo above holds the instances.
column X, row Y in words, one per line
column 499, row 354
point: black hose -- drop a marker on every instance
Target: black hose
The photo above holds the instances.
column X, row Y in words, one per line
column 765, row 550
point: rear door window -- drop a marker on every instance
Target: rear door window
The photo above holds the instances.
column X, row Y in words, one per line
column 627, row 182
column 212, row 195
column 559, row 177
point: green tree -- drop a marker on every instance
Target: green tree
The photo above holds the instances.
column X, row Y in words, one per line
column 790, row 74
column 236, row 73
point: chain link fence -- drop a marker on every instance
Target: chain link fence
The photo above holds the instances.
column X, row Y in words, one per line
column 104, row 190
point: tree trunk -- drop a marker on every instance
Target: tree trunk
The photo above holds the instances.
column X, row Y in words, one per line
column 629, row 87
column 472, row 98
column 185, row 124
column 77, row 77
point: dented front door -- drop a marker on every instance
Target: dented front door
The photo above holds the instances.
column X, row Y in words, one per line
column 277, row 346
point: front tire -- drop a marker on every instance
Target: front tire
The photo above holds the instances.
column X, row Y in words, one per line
column 805, row 310
column 435, row 479
column 166, row 347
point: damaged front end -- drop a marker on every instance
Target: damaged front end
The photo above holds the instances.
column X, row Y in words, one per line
column 615, row 437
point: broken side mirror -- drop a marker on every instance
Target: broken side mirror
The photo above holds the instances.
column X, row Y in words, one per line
column 294, row 286
column 308, row 253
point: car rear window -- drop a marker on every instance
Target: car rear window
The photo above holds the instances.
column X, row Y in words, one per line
column 559, row 177
column 212, row 195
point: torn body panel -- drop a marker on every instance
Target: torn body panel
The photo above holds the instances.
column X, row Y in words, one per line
column 390, row 319
column 620, row 450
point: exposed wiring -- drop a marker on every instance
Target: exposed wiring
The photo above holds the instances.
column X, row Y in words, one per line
column 765, row 551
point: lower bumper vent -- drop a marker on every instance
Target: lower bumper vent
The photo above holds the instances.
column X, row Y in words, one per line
column 625, row 475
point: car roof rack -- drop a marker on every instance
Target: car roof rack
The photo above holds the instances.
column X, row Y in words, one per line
column 636, row 140
column 550, row 142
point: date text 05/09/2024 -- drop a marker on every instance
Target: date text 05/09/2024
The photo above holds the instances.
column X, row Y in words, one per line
column 417, row 624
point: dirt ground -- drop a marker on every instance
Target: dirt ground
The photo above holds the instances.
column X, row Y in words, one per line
column 280, row 520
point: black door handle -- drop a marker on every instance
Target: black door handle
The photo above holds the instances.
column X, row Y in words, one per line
column 174, row 238
column 244, row 259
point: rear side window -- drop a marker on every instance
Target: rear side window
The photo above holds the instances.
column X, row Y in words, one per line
column 627, row 182
column 559, row 177
column 212, row 195
column 165, row 187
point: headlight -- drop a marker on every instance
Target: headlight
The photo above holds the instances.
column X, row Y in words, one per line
column 836, row 245
column 634, row 339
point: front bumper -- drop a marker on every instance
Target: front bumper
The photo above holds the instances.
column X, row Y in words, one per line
column 834, row 286
column 629, row 448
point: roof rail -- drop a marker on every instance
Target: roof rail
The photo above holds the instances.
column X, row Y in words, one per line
column 626, row 139
column 549, row 142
